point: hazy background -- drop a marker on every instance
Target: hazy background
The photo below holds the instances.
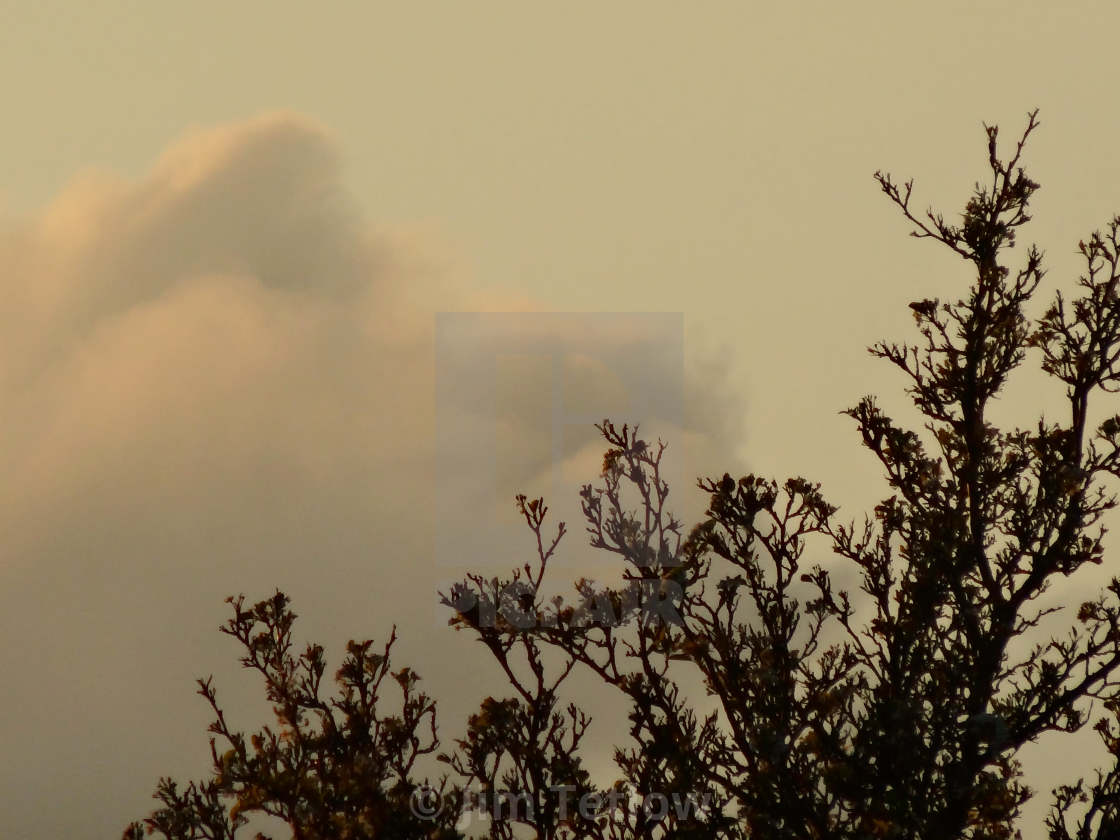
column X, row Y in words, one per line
column 225, row 231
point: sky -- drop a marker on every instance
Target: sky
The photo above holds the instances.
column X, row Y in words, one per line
column 227, row 233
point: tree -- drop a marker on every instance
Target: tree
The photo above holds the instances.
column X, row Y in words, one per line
column 896, row 713
column 334, row 768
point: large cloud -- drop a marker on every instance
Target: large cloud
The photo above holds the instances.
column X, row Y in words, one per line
column 215, row 379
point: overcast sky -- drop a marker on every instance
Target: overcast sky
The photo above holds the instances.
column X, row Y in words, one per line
column 226, row 231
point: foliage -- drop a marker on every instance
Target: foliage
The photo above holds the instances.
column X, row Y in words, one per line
column 333, row 768
column 895, row 713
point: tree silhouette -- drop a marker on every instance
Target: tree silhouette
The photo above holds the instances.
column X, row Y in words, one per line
column 897, row 712
column 333, row 768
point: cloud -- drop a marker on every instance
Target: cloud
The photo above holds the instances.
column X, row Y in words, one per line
column 220, row 377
